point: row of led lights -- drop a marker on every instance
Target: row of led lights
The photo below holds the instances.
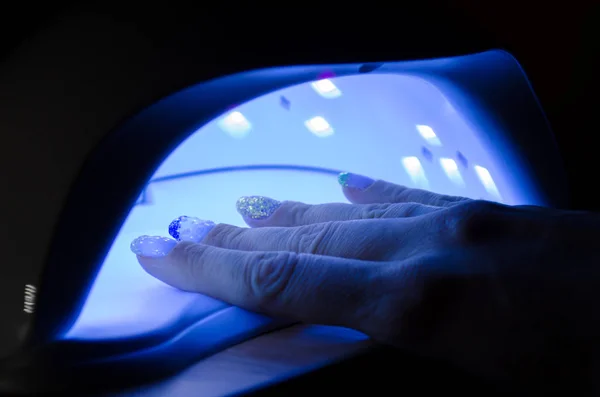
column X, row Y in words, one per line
column 415, row 170
column 236, row 125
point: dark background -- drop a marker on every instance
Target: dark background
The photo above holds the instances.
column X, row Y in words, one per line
column 558, row 47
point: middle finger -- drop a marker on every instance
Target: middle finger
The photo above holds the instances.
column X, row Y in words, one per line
column 356, row 239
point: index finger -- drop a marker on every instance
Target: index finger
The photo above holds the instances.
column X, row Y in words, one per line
column 302, row 287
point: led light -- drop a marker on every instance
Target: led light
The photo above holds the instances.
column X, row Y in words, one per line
column 428, row 134
column 451, row 169
column 487, row 181
column 326, row 88
column 319, row 126
column 415, row 171
column 235, row 124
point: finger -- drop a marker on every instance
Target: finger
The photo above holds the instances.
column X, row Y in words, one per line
column 301, row 287
column 357, row 239
column 259, row 211
column 359, row 189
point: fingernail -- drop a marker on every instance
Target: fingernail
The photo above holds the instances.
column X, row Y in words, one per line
column 152, row 246
column 189, row 228
column 354, row 181
column 257, row 207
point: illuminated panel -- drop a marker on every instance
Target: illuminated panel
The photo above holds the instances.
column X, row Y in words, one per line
column 282, row 155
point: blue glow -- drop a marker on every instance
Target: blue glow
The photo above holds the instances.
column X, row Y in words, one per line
column 235, row 124
column 416, row 172
column 487, row 181
column 319, row 126
column 387, row 126
column 326, row 88
column 451, row 169
column 429, row 135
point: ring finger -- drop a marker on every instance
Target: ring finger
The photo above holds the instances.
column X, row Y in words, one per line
column 259, row 211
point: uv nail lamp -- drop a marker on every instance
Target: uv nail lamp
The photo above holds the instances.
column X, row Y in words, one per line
column 467, row 125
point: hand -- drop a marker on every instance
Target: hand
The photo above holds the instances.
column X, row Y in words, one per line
column 508, row 292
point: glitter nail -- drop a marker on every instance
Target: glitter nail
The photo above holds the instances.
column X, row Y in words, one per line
column 257, row 207
column 189, row 228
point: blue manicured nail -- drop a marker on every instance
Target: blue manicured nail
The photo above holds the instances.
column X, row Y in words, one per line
column 354, row 181
column 257, row 207
column 152, row 246
column 189, row 228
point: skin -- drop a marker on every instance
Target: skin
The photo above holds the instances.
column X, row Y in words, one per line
column 510, row 293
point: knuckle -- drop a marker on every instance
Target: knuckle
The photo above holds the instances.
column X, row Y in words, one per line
column 391, row 210
column 269, row 278
column 407, row 210
column 396, row 293
column 435, row 199
column 467, row 220
column 375, row 211
column 379, row 308
column 405, row 312
column 314, row 239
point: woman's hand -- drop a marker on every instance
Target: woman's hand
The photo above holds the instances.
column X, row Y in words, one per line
column 508, row 292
